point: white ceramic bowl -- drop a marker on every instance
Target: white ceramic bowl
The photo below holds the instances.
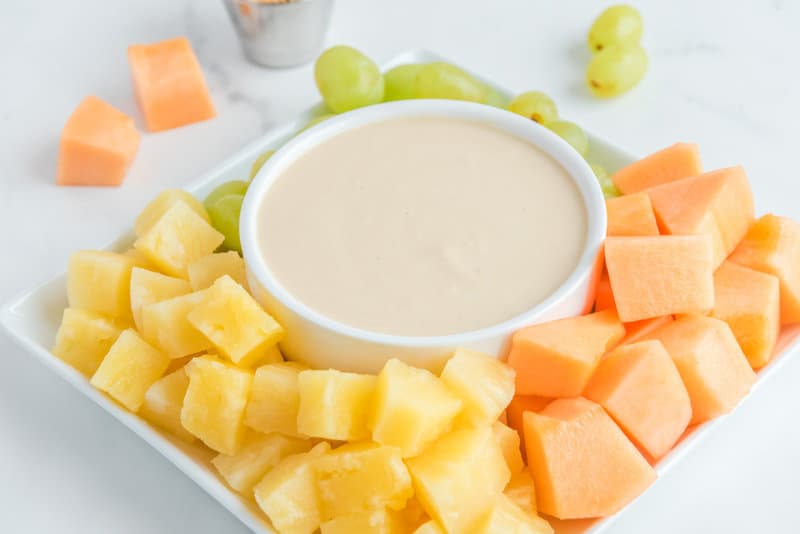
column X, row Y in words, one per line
column 322, row 342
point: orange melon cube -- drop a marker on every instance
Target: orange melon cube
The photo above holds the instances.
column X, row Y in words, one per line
column 772, row 245
column 711, row 363
column 641, row 389
column 581, row 462
column 662, row 275
column 604, row 297
column 517, row 408
column 749, row 301
column 638, row 330
column 169, row 84
column 680, row 160
column 717, row 203
column 98, row 144
column 631, row 215
column 552, row 360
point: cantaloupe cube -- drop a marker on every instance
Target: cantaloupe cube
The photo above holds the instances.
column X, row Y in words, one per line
column 275, row 399
column 288, row 493
column 129, row 369
column 717, row 203
column 581, row 462
column 430, row 527
column 641, row 389
column 235, row 323
column 604, row 297
column 772, row 245
column 749, row 301
column 631, row 215
column 506, row 517
column 557, row 358
column 361, row 477
column 680, row 160
column 508, row 439
column 161, row 204
column 664, row 275
column 169, row 84
column 334, row 405
column 522, row 491
column 711, row 363
column 98, row 144
column 163, row 402
column 484, row 384
column 518, row 406
column 258, row 454
column 374, row 522
column 148, row 287
column 166, row 325
column 213, row 408
column 84, row 338
column 638, row 330
column 411, row 408
column 206, row 270
column 99, row 281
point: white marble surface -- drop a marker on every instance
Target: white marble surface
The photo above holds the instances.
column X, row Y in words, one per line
column 723, row 74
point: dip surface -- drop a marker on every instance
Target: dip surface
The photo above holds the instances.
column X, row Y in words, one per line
column 422, row 226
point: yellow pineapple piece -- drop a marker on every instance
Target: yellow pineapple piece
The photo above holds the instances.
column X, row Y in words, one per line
column 430, row 527
column 411, row 408
column 235, row 323
column 148, row 287
column 509, row 442
column 361, row 477
column 99, row 281
column 140, row 260
column 84, row 337
column 163, row 402
column 205, row 271
column 288, row 494
column 275, row 399
column 413, row 514
column 372, row 522
column 459, row 476
column 335, row 405
column 129, row 369
column 166, row 325
column 259, row 453
column 484, row 384
column 163, row 202
column 214, row 404
column 505, row 517
column 521, row 490
column 177, row 239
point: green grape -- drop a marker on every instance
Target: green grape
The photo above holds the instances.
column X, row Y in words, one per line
column 224, row 215
column 572, row 134
column 313, row 122
column 536, row 106
column 442, row 80
column 400, row 83
column 615, row 70
column 347, row 79
column 496, row 99
column 234, row 187
column 258, row 163
column 617, row 25
column 609, row 189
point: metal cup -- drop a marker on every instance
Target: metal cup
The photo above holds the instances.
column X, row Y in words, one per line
column 281, row 34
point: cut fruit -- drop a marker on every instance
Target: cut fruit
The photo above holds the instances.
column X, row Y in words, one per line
column 641, row 389
column 374, row 522
column 749, row 301
column 631, row 215
column 506, row 517
column 99, row 281
column 664, row 275
column 163, row 402
column 84, row 338
column 680, row 160
column 148, row 287
column 161, row 204
column 581, row 462
column 522, row 491
column 206, row 270
column 508, row 439
column 556, row 359
column 335, row 405
column 518, row 406
column 166, row 325
column 638, row 330
column 275, row 399
column 413, row 514
column 604, row 297
column 430, row 527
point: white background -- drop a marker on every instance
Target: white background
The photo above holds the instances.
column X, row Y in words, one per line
column 723, row 74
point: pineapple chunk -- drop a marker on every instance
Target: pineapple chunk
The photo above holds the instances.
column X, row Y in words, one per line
column 163, row 202
column 99, row 281
column 206, row 270
column 140, row 260
column 166, row 325
column 235, row 323
column 213, row 408
column 84, row 337
column 178, row 238
column 288, row 493
column 411, row 408
column 334, row 405
column 374, row 522
column 521, row 490
column 484, row 384
column 459, row 476
column 414, row 515
column 362, row 477
column 505, row 517
column 430, row 527
column 148, row 287
column 509, row 442
column 129, row 369
column 275, row 399
column 259, row 453
column 163, row 402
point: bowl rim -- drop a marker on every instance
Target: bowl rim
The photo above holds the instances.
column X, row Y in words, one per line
column 575, row 165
